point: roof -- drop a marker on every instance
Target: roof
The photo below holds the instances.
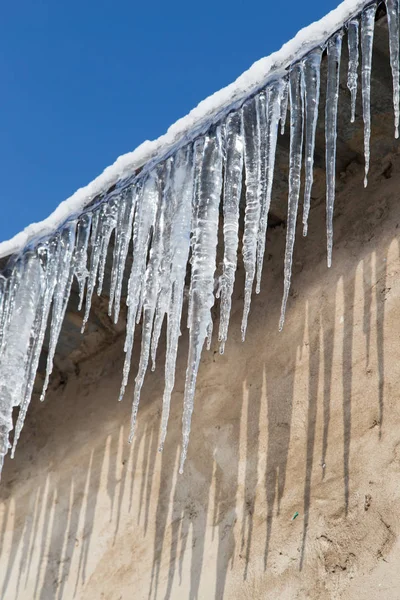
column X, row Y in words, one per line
column 209, row 111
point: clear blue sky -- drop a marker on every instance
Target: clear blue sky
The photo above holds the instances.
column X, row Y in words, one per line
column 85, row 81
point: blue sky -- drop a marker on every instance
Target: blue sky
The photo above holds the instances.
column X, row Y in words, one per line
column 83, row 82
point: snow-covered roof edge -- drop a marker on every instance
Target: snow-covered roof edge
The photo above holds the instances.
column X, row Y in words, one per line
column 251, row 80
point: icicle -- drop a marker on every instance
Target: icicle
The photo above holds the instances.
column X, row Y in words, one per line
column 3, row 283
column 80, row 256
column 284, row 104
column 296, row 148
column 95, row 244
column 231, row 200
column 182, row 189
column 151, row 287
column 392, row 9
column 109, row 222
column 331, row 108
column 123, row 234
column 164, row 291
column 198, row 165
column 161, row 310
column 210, row 329
column 62, row 292
column 3, row 294
column 48, row 257
column 310, row 83
column 352, row 76
column 367, row 39
column 20, row 330
column 9, row 299
column 252, row 160
column 204, row 259
column 269, row 137
column 147, row 200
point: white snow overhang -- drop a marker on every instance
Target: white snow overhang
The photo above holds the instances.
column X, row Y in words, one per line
column 219, row 137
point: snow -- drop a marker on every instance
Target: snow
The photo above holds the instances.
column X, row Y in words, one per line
column 206, row 111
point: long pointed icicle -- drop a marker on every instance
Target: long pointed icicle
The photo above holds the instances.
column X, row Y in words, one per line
column 80, row 255
column 231, row 200
column 311, row 83
column 252, row 160
column 182, row 187
column 392, row 9
column 108, row 226
column 19, row 336
column 9, row 299
column 147, row 200
column 268, row 153
column 204, row 264
column 367, row 40
column 331, row 110
column 296, row 150
column 151, row 289
column 62, row 292
column 198, row 153
column 164, row 291
column 262, row 102
column 284, row 104
column 123, row 234
column 3, row 294
column 95, row 247
column 48, row 257
column 352, row 75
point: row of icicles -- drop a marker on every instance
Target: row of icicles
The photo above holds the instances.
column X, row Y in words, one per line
column 170, row 216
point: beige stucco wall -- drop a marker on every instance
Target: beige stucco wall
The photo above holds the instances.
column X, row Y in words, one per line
column 84, row 515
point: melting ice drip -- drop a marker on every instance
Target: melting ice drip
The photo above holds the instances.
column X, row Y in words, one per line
column 170, row 215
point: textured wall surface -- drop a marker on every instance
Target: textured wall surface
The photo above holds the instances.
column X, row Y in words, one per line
column 306, row 420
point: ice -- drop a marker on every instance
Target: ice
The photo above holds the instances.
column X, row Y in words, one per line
column 231, row 199
column 48, row 257
column 198, row 150
column 80, row 255
column 146, row 206
column 331, row 110
column 62, row 290
column 310, row 84
column 252, row 111
column 123, row 234
column 20, row 334
column 352, row 75
column 392, row 9
column 295, row 159
column 95, row 247
column 203, row 268
column 268, row 151
column 182, row 184
column 108, row 224
column 151, row 283
column 284, row 104
column 3, row 295
column 367, row 39
column 164, row 280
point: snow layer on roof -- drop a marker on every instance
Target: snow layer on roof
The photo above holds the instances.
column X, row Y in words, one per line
column 206, row 111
